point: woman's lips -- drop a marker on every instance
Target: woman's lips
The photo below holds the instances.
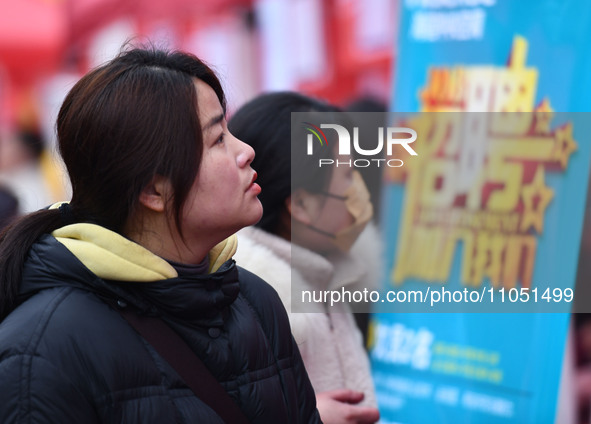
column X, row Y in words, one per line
column 254, row 187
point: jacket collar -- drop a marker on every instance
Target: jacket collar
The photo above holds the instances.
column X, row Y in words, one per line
column 93, row 258
column 113, row 257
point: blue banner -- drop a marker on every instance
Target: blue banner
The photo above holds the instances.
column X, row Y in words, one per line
column 497, row 208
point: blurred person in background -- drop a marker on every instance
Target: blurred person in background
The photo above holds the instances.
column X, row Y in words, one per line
column 159, row 188
column 26, row 168
column 8, row 207
column 583, row 365
column 298, row 241
column 372, row 115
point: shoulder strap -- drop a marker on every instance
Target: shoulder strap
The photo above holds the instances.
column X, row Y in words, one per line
column 187, row 364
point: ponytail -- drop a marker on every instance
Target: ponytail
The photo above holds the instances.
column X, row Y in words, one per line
column 15, row 242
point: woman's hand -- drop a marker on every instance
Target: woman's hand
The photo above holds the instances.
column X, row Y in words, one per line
column 340, row 407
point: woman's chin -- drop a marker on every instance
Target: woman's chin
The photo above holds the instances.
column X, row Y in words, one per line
column 252, row 216
column 258, row 214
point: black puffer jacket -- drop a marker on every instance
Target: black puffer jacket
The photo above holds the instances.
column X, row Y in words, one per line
column 66, row 356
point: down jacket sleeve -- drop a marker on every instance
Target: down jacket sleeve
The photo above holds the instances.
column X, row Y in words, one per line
column 298, row 389
column 308, row 406
column 33, row 391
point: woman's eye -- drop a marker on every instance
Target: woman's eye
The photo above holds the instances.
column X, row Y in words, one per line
column 220, row 139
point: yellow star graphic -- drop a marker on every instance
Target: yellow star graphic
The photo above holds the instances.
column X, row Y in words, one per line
column 564, row 144
column 536, row 197
column 543, row 114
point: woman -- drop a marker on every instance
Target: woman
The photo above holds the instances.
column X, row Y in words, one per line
column 311, row 218
column 159, row 187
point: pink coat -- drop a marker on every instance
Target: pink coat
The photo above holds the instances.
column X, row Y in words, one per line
column 329, row 339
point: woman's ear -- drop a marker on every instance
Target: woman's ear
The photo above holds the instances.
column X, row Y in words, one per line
column 155, row 195
column 302, row 206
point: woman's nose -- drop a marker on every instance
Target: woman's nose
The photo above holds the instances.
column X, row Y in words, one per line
column 246, row 155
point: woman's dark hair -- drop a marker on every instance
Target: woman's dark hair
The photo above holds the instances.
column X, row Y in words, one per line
column 265, row 124
column 121, row 124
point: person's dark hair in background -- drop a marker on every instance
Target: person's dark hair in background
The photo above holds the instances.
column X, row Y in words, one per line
column 33, row 140
column 8, row 207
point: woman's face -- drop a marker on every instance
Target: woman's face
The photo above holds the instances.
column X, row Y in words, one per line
column 223, row 197
column 325, row 213
column 333, row 215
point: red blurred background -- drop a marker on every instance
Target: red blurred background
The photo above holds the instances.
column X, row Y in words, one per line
column 336, row 49
column 339, row 50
